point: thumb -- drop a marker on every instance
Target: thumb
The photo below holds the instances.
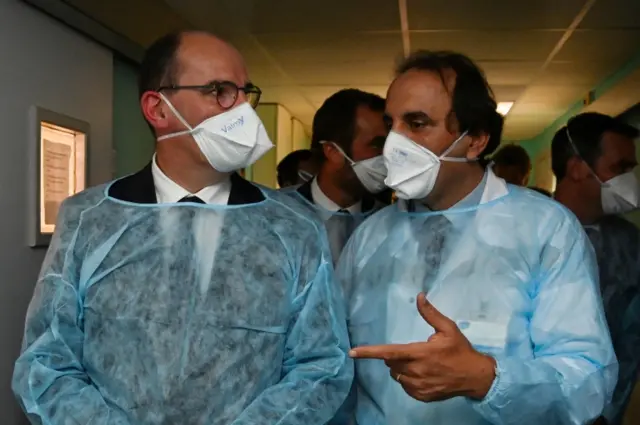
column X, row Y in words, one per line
column 432, row 316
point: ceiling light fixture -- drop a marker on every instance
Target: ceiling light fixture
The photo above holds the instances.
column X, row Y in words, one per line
column 504, row 108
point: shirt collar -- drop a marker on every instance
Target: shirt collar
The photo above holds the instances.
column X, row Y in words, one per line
column 472, row 199
column 323, row 201
column 168, row 191
column 475, row 196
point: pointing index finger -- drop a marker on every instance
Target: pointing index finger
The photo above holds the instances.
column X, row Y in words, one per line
column 393, row 352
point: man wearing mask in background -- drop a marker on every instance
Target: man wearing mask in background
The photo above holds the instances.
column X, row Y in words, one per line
column 509, row 327
column 512, row 163
column 593, row 158
column 296, row 169
column 348, row 136
column 184, row 294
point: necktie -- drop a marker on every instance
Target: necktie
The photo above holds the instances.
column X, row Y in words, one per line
column 339, row 229
column 432, row 234
column 192, row 199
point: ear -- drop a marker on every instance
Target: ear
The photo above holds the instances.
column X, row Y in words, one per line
column 332, row 154
column 577, row 169
column 153, row 110
column 477, row 145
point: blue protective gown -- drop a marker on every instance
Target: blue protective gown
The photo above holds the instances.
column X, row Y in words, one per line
column 517, row 274
column 617, row 245
column 131, row 324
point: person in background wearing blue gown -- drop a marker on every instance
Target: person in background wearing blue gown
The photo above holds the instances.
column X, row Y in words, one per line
column 183, row 294
column 594, row 160
column 470, row 301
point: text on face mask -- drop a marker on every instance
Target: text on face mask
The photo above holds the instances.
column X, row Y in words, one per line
column 236, row 123
column 398, row 156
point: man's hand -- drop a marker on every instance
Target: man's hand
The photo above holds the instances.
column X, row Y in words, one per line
column 444, row 366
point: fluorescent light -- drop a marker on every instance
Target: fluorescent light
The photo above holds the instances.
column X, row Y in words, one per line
column 504, row 108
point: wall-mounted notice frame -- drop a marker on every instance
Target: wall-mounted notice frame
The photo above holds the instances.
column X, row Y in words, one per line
column 57, row 168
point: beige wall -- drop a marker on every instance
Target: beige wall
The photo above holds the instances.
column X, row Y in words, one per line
column 263, row 171
column 279, row 125
column 284, row 145
column 299, row 137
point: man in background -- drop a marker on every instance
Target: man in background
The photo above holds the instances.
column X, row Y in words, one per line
column 512, row 163
column 348, row 137
column 296, row 168
column 594, row 159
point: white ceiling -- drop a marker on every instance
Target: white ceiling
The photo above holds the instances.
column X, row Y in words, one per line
column 544, row 55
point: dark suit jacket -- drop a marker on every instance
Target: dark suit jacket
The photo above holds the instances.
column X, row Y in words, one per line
column 139, row 188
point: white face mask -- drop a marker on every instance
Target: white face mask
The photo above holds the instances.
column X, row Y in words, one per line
column 413, row 169
column 621, row 194
column 371, row 172
column 230, row 141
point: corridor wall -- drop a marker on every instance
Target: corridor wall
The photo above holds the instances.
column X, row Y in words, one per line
column 49, row 65
column 299, row 136
column 133, row 141
column 277, row 121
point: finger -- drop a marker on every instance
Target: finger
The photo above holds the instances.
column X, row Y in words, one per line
column 432, row 316
column 385, row 352
column 407, row 381
column 405, row 368
column 420, row 389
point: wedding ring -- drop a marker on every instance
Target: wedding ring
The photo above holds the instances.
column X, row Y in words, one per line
column 398, row 376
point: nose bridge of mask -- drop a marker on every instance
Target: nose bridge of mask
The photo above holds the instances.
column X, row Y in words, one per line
column 444, row 156
column 180, row 118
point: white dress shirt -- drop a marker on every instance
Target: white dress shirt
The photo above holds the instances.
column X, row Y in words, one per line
column 338, row 226
column 168, row 191
column 206, row 226
column 323, row 201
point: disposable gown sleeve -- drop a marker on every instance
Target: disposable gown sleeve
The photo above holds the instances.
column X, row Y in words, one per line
column 317, row 372
column 49, row 379
column 573, row 372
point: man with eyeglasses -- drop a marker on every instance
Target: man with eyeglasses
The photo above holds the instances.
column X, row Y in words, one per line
column 184, row 294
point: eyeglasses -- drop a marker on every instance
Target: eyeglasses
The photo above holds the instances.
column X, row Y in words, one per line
column 225, row 92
